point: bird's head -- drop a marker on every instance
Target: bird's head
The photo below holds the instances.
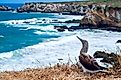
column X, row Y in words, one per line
column 84, row 45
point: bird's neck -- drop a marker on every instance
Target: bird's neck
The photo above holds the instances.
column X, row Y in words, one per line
column 84, row 49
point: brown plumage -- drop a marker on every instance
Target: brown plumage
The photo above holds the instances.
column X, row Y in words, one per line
column 87, row 62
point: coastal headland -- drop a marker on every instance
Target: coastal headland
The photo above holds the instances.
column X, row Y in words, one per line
column 96, row 15
column 105, row 17
column 53, row 7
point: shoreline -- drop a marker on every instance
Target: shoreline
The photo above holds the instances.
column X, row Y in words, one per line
column 51, row 51
column 96, row 15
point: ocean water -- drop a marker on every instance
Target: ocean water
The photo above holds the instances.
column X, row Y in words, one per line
column 19, row 31
column 29, row 40
column 14, row 36
column 12, row 5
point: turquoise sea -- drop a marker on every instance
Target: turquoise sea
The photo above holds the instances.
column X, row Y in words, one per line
column 12, row 36
column 12, row 5
column 29, row 40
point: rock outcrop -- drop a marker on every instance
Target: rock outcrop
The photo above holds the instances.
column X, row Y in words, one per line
column 110, row 58
column 96, row 16
column 108, row 18
column 74, row 8
column 5, row 8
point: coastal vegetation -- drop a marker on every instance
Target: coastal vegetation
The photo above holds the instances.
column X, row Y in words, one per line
column 61, row 72
column 114, row 3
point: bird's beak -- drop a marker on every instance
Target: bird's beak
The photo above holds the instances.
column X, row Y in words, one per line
column 79, row 38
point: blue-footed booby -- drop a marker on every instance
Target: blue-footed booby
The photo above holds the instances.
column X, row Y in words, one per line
column 87, row 62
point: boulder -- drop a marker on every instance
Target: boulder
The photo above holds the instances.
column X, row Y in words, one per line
column 5, row 8
column 74, row 28
column 110, row 58
column 119, row 41
column 60, row 28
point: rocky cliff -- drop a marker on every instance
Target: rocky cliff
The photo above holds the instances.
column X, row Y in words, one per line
column 51, row 7
column 107, row 18
column 96, row 15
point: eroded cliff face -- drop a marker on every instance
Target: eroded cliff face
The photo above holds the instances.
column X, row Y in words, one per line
column 108, row 18
column 50, row 7
column 98, row 16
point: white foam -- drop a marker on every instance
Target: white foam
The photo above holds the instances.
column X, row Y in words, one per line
column 48, row 28
column 1, row 36
column 16, row 22
column 28, row 21
column 61, row 18
column 44, row 28
column 71, row 17
column 49, row 52
column 38, row 32
column 45, row 53
column 48, row 33
column 6, row 55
